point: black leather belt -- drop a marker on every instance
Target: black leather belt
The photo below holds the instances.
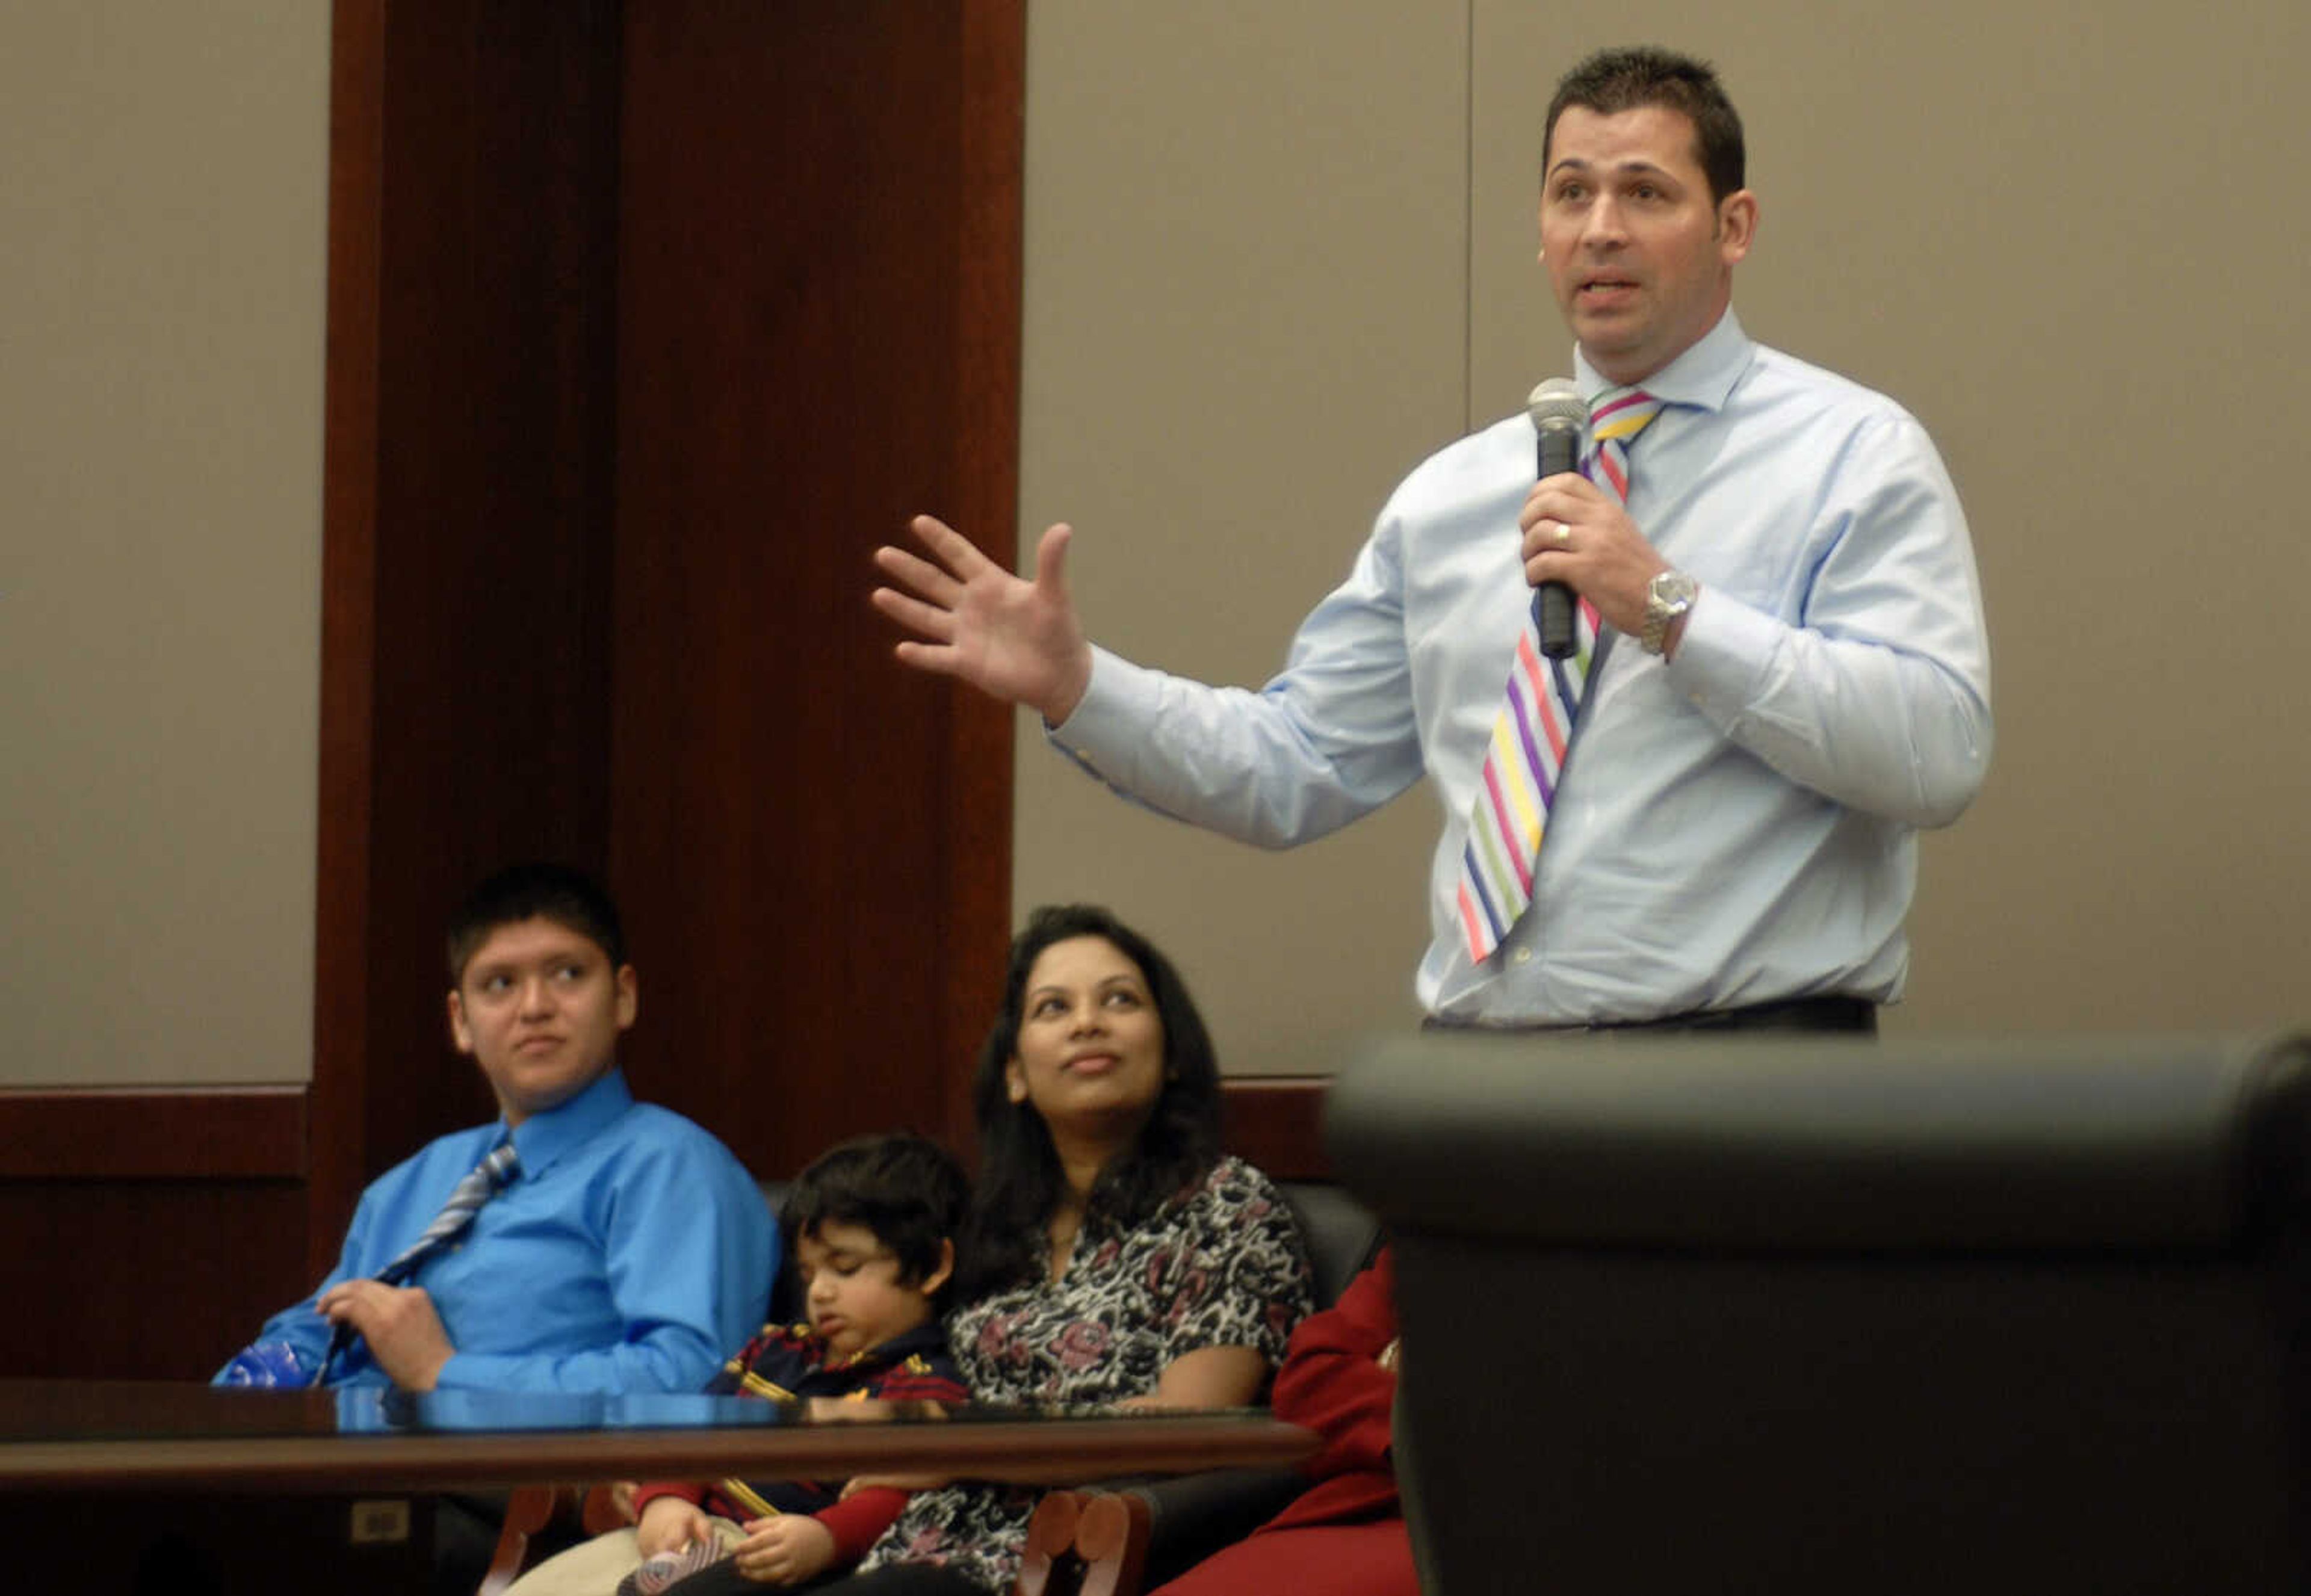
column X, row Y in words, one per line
column 1793, row 1014
column 1832, row 1014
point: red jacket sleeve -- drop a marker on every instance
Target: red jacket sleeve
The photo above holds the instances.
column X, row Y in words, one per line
column 1331, row 1381
column 903, row 1385
column 858, row 1519
column 688, row 1490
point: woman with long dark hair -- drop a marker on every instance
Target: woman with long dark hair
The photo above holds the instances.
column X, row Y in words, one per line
column 1113, row 1255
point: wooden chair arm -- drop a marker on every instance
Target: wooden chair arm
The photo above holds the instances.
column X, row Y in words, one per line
column 530, row 1509
column 605, row 1509
column 1085, row 1543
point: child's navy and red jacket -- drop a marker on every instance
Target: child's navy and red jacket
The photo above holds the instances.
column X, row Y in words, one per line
column 785, row 1362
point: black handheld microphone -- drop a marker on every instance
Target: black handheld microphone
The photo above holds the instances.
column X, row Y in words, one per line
column 1560, row 416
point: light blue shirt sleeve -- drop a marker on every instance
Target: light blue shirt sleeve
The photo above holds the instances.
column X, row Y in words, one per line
column 1331, row 738
column 1877, row 693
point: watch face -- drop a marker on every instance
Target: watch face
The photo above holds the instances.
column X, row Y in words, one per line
column 1667, row 596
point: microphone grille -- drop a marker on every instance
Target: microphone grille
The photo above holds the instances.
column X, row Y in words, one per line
column 1558, row 403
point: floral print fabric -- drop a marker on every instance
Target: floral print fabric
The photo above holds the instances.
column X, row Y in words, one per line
column 1221, row 1264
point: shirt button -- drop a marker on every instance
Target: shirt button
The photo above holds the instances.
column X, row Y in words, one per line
column 1522, row 955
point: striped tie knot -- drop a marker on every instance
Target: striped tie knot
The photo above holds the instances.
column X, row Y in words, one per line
column 1621, row 412
column 1615, row 419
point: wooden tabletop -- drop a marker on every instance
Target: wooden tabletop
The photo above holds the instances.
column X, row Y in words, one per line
column 79, row 1436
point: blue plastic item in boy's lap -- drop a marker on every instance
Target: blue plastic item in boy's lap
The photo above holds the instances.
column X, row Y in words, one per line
column 271, row 1363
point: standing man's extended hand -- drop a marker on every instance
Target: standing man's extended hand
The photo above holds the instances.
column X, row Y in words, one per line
column 1015, row 639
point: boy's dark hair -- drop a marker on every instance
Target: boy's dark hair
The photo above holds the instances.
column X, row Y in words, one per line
column 1614, row 81
column 563, row 893
column 1020, row 1181
column 905, row 1188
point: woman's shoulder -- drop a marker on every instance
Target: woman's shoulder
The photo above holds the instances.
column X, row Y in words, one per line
column 1235, row 1226
column 1233, row 1180
column 1236, row 1198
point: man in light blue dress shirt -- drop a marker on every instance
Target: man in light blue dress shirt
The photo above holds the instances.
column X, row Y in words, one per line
column 1800, row 681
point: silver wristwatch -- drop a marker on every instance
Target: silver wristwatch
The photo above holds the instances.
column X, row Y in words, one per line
column 1667, row 596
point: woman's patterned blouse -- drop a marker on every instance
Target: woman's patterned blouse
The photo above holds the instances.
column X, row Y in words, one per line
column 1221, row 1264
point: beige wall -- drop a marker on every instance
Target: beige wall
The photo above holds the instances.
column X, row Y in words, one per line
column 1277, row 253
column 162, row 205
column 1246, row 244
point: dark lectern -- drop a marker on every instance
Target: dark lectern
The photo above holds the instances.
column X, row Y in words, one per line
column 1683, row 1314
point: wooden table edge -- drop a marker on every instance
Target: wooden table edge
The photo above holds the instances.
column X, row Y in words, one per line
column 1059, row 1451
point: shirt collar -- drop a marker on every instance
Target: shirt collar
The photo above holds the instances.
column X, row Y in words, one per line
column 1702, row 377
column 546, row 1137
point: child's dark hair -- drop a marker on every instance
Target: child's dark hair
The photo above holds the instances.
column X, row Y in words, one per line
column 563, row 893
column 905, row 1188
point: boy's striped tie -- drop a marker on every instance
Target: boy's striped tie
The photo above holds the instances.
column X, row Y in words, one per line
column 484, row 1182
column 1531, row 736
column 465, row 1197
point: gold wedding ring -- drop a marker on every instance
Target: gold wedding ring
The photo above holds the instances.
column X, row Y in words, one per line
column 1563, row 534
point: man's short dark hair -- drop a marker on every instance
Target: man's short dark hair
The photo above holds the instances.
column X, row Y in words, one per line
column 1631, row 78
column 905, row 1188
column 563, row 893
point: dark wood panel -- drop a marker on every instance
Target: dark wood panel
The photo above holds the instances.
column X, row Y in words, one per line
column 982, row 489
column 495, row 405
column 350, row 466
column 466, row 670
column 148, row 1231
column 818, row 336
column 146, row 1134
column 157, row 1280
column 1276, row 1123
column 647, row 323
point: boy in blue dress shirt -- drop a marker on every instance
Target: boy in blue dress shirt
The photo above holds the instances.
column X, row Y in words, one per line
column 620, row 1249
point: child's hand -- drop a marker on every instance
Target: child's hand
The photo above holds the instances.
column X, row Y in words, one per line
column 622, row 1498
column 785, row 1550
column 669, row 1524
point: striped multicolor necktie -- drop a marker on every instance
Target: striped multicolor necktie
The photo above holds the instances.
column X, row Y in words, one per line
column 1526, row 757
